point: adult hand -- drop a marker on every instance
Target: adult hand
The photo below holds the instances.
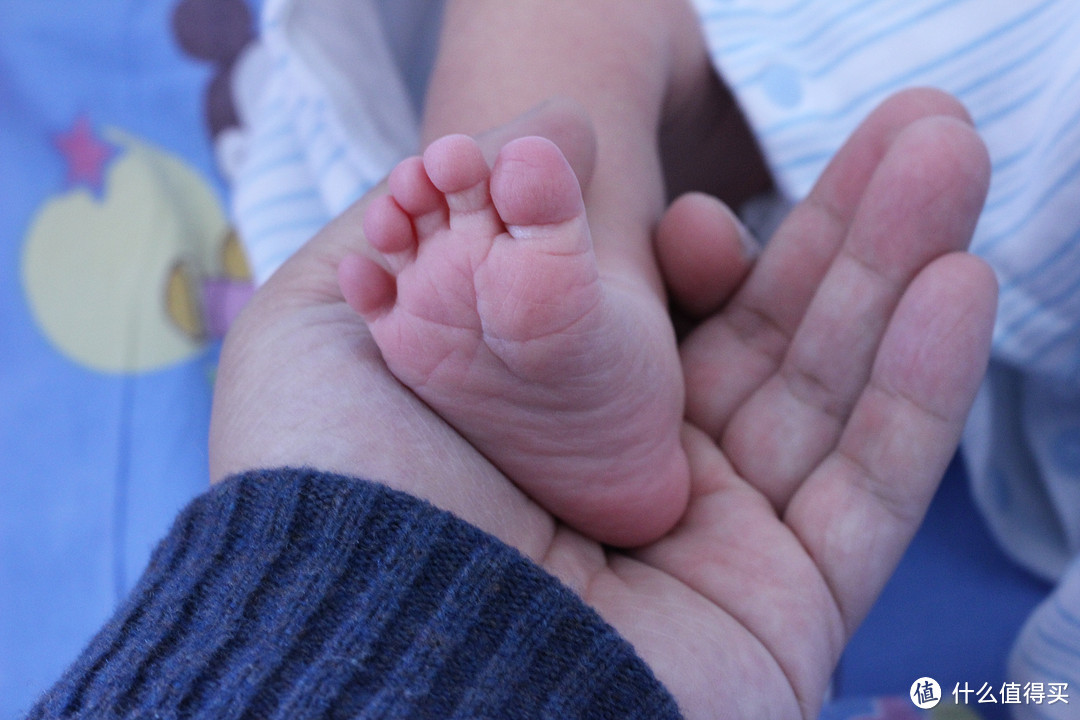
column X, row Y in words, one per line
column 825, row 400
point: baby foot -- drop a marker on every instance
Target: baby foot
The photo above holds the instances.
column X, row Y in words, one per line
column 490, row 306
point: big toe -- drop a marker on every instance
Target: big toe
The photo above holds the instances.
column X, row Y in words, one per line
column 533, row 184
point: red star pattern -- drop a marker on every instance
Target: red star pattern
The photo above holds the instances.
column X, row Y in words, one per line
column 87, row 156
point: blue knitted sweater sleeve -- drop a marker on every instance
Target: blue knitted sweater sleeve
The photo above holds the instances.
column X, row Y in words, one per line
column 296, row 594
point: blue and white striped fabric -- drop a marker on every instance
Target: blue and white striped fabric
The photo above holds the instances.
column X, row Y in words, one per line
column 333, row 118
column 808, row 71
column 1046, row 660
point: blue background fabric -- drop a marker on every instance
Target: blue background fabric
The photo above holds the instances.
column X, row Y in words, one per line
column 950, row 612
column 107, row 167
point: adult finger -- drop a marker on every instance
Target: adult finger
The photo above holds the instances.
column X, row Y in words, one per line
column 859, row 509
column 704, row 253
column 921, row 203
column 729, row 356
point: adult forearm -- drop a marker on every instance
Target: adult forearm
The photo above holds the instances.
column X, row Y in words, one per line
column 297, row 594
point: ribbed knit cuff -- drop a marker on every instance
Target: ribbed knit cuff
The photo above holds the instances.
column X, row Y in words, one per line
column 296, row 594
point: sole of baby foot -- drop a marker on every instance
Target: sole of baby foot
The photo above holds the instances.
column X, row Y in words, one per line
column 489, row 304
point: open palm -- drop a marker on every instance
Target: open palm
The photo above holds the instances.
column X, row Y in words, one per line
column 824, row 401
